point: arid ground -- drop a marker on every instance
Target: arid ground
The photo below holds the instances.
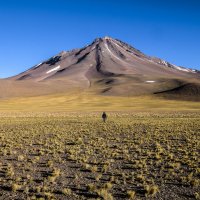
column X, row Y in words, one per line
column 57, row 147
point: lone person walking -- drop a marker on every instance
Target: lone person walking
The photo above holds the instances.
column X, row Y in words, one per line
column 104, row 117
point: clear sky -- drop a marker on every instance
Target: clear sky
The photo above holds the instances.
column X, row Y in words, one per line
column 34, row 30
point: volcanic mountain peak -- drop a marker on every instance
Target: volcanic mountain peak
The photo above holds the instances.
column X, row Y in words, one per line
column 104, row 56
column 109, row 66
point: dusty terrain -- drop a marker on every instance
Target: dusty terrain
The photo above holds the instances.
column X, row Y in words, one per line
column 77, row 156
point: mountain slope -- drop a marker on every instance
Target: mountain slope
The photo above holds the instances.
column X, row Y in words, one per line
column 106, row 66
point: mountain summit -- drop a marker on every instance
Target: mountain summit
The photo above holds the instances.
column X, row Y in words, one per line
column 104, row 57
column 106, row 66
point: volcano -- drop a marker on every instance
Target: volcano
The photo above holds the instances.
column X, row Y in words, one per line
column 105, row 67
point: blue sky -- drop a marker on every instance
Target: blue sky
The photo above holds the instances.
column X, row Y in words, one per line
column 34, row 30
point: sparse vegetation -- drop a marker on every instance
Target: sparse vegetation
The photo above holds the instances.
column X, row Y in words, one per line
column 77, row 156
